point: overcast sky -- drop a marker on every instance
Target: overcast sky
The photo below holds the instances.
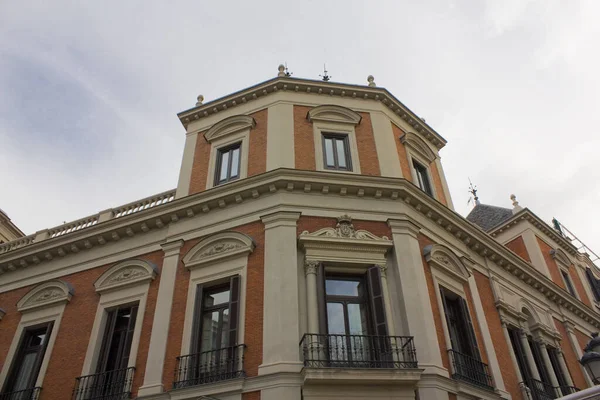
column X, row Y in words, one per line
column 89, row 92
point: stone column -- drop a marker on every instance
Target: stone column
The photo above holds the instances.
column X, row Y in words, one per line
column 312, row 306
column 529, row 355
column 161, row 322
column 578, row 351
column 418, row 312
column 563, row 366
column 549, row 368
column 281, row 313
column 387, row 300
column 511, row 350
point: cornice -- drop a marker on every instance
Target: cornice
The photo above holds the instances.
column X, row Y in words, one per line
column 299, row 182
column 527, row 215
column 316, row 87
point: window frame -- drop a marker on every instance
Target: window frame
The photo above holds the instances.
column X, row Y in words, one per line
column 241, row 137
column 220, row 152
column 347, row 154
column 566, row 277
column 424, row 172
column 321, row 128
column 108, row 336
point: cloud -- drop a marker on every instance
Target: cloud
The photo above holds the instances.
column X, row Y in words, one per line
column 89, row 92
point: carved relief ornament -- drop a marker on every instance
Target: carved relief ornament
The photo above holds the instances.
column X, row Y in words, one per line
column 46, row 294
column 126, row 273
column 218, row 247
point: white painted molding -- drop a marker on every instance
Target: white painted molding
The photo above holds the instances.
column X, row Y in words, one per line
column 46, row 294
column 442, row 257
column 126, row 273
column 229, row 126
column 218, row 247
column 561, row 257
column 333, row 113
column 418, row 145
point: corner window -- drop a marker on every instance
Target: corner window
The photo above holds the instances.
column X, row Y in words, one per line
column 336, row 152
column 594, row 283
column 26, row 366
column 568, row 282
column 228, row 164
column 422, row 177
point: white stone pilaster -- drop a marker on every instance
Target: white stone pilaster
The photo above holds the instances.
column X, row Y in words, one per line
column 281, row 314
column 387, row 300
column 161, row 322
column 312, row 306
column 187, row 162
column 413, row 288
column 389, row 162
column 440, row 169
column 549, row 368
column 529, row 355
column 535, row 253
column 280, row 136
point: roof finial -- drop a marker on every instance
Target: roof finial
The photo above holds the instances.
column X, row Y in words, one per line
column 325, row 77
column 473, row 191
column 200, row 99
column 281, row 69
column 287, row 72
column 515, row 203
column 371, row 81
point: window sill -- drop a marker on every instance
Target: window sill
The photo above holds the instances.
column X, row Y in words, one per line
column 360, row 376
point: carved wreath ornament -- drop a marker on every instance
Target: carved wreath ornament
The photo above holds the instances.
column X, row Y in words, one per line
column 47, row 295
column 220, row 248
column 129, row 273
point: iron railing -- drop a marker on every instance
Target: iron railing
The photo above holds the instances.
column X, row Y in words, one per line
column 109, row 385
column 26, row 394
column 358, row 351
column 210, row 366
column 470, row 369
column 544, row 391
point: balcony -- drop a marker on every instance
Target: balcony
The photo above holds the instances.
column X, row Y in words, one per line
column 210, row 366
column 27, row 394
column 358, row 351
column 110, row 385
column 471, row 370
column 542, row 391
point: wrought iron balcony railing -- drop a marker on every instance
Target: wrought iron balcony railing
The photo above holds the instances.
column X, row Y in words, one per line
column 543, row 391
column 26, row 394
column 210, row 366
column 471, row 370
column 109, row 385
column 358, row 351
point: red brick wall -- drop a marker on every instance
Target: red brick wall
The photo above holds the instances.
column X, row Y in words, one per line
column 251, row 396
column 257, row 150
column 365, row 142
column 437, row 184
column 304, row 142
column 501, row 347
column 402, row 155
column 73, row 336
column 578, row 284
column 551, row 263
column 200, row 165
column 517, row 245
column 570, row 356
column 253, row 324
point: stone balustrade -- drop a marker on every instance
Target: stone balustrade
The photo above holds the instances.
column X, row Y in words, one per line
column 89, row 221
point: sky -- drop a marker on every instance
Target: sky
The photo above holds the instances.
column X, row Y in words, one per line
column 89, row 92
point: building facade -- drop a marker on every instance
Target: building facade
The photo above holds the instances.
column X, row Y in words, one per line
column 309, row 251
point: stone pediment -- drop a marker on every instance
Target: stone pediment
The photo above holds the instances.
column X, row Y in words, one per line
column 229, row 126
column 333, row 113
column 441, row 257
column 126, row 273
column 418, row 145
column 47, row 294
column 217, row 247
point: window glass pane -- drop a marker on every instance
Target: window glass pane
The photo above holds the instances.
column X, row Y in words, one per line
column 38, row 338
column 335, row 318
column 357, row 319
column 225, row 329
column 214, row 298
column 25, row 371
column 329, row 153
column 224, row 164
column 210, row 330
column 343, row 288
column 341, row 153
column 235, row 162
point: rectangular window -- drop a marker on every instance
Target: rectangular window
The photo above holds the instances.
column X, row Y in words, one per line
column 568, row 282
column 118, row 335
column 215, row 352
column 422, row 178
column 26, row 366
column 228, row 164
column 594, row 284
column 336, row 152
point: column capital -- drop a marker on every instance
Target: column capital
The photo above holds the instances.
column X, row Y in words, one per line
column 569, row 326
column 504, row 322
column 172, row 248
column 382, row 269
column 280, row 218
column 404, row 225
column 310, row 267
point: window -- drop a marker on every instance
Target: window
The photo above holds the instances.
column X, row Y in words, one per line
column 25, row 368
column 216, row 354
column 228, row 164
column 116, row 343
column 594, row 284
column 422, row 178
column 336, row 153
column 568, row 282
column 560, row 376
